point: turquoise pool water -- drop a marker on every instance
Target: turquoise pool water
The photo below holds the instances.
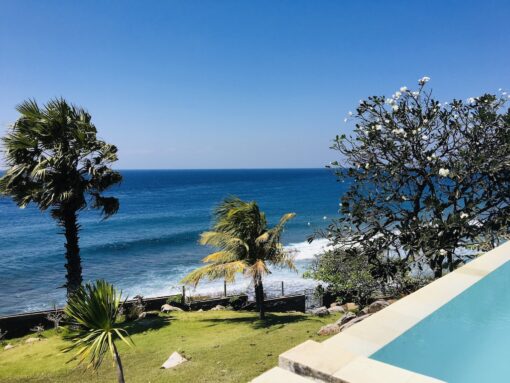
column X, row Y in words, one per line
column 467, row 340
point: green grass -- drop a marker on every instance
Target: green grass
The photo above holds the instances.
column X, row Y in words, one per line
column 222, row 346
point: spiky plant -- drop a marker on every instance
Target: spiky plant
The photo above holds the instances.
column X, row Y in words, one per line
column 246, row 245
column 94, row 309
column 55, row 160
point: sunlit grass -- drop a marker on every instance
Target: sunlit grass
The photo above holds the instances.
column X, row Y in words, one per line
column 223, row 346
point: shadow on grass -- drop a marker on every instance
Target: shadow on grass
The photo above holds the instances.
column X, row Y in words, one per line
column 272, row 322
column 139, row 326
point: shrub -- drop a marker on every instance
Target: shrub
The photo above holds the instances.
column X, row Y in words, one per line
column 237, row 302
column 175, row 300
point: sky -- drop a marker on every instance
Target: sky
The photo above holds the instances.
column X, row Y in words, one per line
column 241, row 84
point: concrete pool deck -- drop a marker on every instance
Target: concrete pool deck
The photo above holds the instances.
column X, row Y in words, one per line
column 345, row 357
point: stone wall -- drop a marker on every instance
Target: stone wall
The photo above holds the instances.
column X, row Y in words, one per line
column 20, row 324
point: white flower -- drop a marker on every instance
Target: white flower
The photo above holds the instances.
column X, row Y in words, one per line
column 387, row 121
column 394, row 107
column 504, row 93
column 345, row 119
column 390, row 101
column 425, row 137
column 500, row 89
column 415, row 94
column 429, row 158
column 403, row 89
column 443, row 252
column 463, row 215
column 425, row 121
column 350, row 113
column 423, row 80
column 367, row 166
column 444, row 172
column 397, row 95
column 378, row 127
column 471, row 100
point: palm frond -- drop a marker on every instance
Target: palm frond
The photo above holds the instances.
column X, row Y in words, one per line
column 94, row 309
column 226, row 271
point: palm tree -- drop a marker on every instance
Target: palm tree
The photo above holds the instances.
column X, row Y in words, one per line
column 246, row 245
column 94, row 309
column 55, row 161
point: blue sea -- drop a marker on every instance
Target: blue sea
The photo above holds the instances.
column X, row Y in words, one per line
column 152, row 242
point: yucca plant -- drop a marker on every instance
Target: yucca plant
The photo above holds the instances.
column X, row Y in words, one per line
column 94, row 309
column 246, row 245
column 55, row 161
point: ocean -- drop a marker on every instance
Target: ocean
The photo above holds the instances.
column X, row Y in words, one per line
column 152, row 242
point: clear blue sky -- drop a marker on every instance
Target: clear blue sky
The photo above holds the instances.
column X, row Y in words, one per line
column 241, row 84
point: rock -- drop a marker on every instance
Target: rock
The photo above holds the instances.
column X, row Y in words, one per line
column 32, row 340
column 174, row 360
column 391, row 301
column 8, row 347
column 376, row 306
column 329, row 329
column 320, row 312
column 218, row 308
column 148, row 315
column 353, row 321
column 351, row 307
column 362, row 312
column 166, row 308
column 142, row 315
column 346, row 318
column 335, row 304
column 201, row 311
column 336, row 309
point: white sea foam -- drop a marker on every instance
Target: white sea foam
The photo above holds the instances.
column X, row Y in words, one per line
column 305, row 250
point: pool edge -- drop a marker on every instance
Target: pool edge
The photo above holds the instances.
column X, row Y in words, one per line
column 345, row 357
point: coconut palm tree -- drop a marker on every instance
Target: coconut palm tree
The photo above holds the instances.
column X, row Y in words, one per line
column 55, row 161
column 246, row 245
column 94, row 309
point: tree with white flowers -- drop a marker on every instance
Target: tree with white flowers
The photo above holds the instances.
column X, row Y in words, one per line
column 428, row 180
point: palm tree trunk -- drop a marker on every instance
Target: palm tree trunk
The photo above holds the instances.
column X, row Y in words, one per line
column 69, row 221
column 118, row 363
column 259, row 297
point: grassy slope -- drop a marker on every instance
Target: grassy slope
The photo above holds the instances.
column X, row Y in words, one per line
column 222, row 347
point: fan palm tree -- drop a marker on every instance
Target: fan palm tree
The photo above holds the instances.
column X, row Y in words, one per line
column 55, row 161
column 246, row 245
column 94, row 309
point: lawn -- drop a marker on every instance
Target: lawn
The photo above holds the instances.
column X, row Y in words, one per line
column 222, row 346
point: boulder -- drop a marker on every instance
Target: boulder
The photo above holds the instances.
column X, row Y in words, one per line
column 351, row 307
column 376, row 306
column 166, row 308
column 335, row 304
column 174, row 360
column 32, row 340
column 329, row 329
column 353, row 321
column 218, row 308
column 346, row 318
column 320, row 311
column 336, row 309
column 8, row 347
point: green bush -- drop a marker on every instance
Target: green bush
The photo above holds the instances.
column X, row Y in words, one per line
column 175, row 299
column 237, row 302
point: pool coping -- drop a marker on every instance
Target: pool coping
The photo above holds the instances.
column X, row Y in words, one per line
column 345, row 357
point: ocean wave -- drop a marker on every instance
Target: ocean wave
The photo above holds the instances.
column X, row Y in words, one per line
column 306, row 250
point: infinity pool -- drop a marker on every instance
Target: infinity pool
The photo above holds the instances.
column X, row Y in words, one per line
column 466, row 340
